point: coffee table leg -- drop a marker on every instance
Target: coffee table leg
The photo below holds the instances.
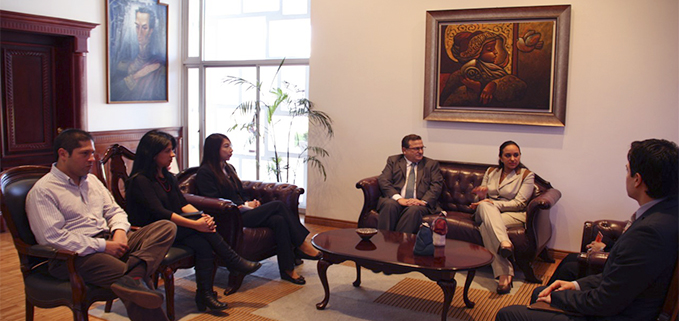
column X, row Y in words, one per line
column 358, row 276
column 467, row 283
column 322, row 273
column 448, row 288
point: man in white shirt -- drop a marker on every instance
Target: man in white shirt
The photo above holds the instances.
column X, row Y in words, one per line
column 411, row 185
column 72, row 210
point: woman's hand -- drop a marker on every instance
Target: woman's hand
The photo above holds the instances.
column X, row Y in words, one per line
column 475, row 205
column 205, row 224
column 480, row 191
column 253, row 204
column 487, row 93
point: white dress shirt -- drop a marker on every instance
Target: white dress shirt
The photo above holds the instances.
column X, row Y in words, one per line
column 68, row 216
column 409, row 164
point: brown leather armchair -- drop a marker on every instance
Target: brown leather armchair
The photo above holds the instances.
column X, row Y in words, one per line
column 459, row 178
column 40, row 288
column 594, row 262
column 254, row 244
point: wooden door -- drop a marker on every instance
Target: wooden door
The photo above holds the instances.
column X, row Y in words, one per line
column 42, row 72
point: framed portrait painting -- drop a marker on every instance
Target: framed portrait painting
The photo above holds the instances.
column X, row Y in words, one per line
column 500, row 65
column 136, row 51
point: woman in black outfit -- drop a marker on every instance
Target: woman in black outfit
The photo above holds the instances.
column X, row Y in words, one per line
column 153, row 194
column 218, row 179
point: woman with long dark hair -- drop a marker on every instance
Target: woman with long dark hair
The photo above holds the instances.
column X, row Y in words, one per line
column 216, row 178
column 503, row 196
column 153, row 194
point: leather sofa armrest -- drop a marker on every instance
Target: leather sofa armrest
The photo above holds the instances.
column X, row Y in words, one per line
column 371, row 194
column 226, row 215
column 610, row 229
column 592, row 263
column 544, row 201
column 49, row 252
column 269, row 191
column 538, row 223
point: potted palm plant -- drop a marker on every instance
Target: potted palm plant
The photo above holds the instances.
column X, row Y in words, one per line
column 290, row 98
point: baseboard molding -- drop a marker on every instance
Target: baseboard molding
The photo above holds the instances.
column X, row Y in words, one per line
column 329, row 222
column 558, row 254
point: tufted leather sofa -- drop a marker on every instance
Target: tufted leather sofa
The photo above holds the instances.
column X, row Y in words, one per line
column 254, row 244
column 459, row 180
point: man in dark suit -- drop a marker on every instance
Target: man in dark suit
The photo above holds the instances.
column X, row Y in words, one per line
column 410, row 185
column 637, row 275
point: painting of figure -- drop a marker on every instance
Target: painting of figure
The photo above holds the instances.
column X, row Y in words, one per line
column 495, row 65
column 137, row 51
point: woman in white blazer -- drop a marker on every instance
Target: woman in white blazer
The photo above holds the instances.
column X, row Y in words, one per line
column 503, row 196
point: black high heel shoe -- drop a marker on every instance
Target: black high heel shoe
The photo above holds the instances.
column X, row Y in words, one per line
column 506, row 252
column 300, row 254
column 300, row 280
column 504, row 289
column 205, row 300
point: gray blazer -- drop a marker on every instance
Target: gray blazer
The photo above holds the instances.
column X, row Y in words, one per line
column 429, row 179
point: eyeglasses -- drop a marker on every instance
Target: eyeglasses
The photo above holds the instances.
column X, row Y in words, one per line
column 417, row 148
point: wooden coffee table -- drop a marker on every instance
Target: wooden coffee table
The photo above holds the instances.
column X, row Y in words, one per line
column 392, row 253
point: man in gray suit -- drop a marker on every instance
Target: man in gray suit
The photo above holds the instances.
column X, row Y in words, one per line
column 410, row 185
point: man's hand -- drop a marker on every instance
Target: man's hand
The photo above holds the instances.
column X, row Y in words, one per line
column 545, row 295
column 117, row 246
column 411, row 202
column 119, row 236
column 596, row 246
column 253, row 204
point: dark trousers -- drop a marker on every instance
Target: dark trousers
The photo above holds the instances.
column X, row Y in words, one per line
column 567, row 270
column 204, row 246
column 147, row 245
column 522, row 313
column 288, row 230
column 394, row 217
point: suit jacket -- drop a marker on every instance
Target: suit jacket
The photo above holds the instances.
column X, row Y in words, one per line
column 637, row 273
column 429, row 181
column 208, row 185
column 513, row 193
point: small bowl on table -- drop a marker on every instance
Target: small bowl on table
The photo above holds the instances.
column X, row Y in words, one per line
column 366, row 233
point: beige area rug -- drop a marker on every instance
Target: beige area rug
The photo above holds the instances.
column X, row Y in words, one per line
column 426, row 296
column 264, row 297
column 255, row 293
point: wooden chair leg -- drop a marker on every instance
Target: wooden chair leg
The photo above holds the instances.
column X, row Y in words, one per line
column 168, row 280
column 109, row 305
column 29, row 311
column 79, row 315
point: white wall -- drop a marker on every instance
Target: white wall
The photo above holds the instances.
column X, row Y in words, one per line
column 367, row 72
column 103, row 116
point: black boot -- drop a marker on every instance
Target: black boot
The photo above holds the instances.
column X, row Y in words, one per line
column 205, row 299
column 233, row 261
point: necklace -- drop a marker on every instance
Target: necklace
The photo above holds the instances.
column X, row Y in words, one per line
column 164, row 184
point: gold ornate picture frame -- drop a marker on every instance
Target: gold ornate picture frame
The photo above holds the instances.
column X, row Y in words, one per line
column 500, row 65
column 136, row 57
